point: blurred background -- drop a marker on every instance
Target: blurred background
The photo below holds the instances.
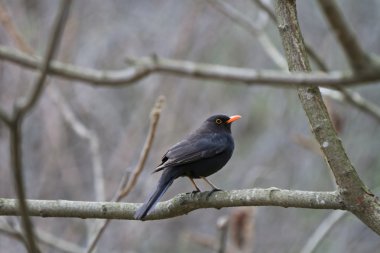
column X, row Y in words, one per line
column 273, row 143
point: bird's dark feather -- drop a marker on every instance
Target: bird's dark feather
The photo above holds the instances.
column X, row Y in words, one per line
column 190, row 150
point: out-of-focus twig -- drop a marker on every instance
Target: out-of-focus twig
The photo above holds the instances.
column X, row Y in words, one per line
column 242, row 223
column 222, row 225
column 12, row 31
column 129, row 181
column 83, row 132
column 322, row 230
column 203, row 240
column 4, row 117
column 10, row 231
column 355, row 99
column 264, row 6
column 22, row 107
column 42, row 236
column 155, row 116
column 359, row 60
column 253, row 28
column 351, row 97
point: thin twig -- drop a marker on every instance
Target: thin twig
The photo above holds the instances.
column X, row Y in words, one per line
column 357, row 57
column 155, row 116
column 42, row 236
column 322, row 230
column 53, row 43
column 9, row 230
column 129, row 181
column 353, row 98
column 361, row 103
column 21, row 109
column 12, row 30
column 4, row 117
column 264, row 5
column 222, row 225
column 83, row 132
column 252, row 27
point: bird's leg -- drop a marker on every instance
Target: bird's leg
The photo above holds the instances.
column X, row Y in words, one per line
column 214, row 188
column 195, row 185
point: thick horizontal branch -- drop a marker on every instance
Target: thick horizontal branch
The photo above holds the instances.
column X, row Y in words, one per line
column 179, row 205
column 145, row 66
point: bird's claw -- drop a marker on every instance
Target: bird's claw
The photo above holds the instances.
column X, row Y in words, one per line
column 193, row 193
column 212, row 191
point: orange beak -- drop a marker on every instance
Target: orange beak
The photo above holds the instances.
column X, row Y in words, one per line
column 233, row 118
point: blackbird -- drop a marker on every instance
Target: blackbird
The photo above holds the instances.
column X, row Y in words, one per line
column 202, row 153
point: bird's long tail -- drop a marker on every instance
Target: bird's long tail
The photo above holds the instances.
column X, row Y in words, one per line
column 163, row 184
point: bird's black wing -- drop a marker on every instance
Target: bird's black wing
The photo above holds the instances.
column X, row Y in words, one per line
column 194, row 149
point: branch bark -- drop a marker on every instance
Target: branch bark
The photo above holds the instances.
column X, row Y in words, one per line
column 355, row 195
column 179, row 205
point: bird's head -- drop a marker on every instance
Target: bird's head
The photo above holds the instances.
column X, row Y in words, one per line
column 221, row 122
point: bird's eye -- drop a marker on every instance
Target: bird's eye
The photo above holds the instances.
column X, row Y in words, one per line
column 218, row 121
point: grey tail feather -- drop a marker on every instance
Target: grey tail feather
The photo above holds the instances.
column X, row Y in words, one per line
column 164, row 183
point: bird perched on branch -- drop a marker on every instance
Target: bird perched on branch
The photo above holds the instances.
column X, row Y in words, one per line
column 201, row 154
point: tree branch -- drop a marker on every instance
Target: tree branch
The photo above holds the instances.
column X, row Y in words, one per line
column 322, row 230
column 85, row 133
column 356, row 196
column 53, row 43
column 42, row 236
column 353, row 98
column 179, row 205
column 254, row 28
column 145, row 66
column 15, row 124
column 357, row 57
column 128, row 182
column 154, row 116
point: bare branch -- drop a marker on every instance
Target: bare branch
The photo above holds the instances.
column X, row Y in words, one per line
column 155, row 116
column 12, row 30
column 355, row 99
column 264, row 5
column 249, row 76
column 128, row 182
column 356, row 196
column 53, row 44
column 10, row 231
column 42, row 236
column 322, row 230
column 83, row 132
column 179, row 205
column 146, row 66
column 71, row 72
column 4, row 117
column 15, row 125
column 57, row 242
column 253, row 29
column 310, row 51
column 351, row 97
column 358, row 58
column 222, row 224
